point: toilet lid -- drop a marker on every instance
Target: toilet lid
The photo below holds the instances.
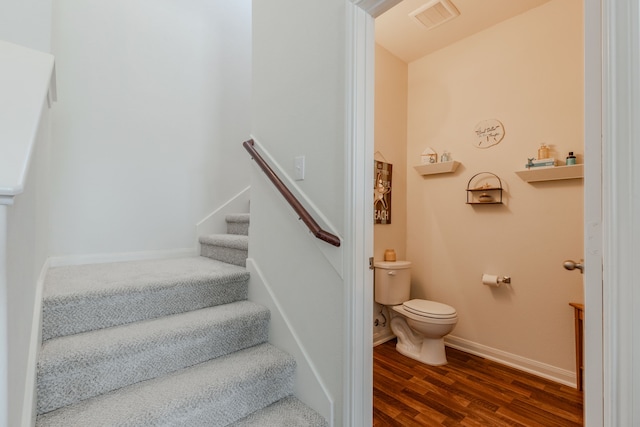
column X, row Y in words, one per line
column 426, row 308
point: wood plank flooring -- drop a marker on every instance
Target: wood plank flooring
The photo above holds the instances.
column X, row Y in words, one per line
column 468, row 391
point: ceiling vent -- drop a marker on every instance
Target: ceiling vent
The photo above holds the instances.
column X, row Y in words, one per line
column 434, row 13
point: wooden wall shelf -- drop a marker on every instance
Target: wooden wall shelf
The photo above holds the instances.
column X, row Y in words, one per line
column 552, row 174
column 434, row 168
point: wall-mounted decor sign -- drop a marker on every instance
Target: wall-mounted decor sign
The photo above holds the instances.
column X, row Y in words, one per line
column 429, row 156
column 488, row 133
column 382, row 192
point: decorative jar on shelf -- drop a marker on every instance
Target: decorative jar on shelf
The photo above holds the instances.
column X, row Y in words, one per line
column 390, row 255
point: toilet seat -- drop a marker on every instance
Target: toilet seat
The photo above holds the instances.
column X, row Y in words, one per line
column 430, row 309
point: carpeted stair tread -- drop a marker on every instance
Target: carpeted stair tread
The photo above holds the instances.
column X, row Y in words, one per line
column 89, row 297
column 238, row 223
column 239, row 217
column 77, row 367
column 229, row 248
column 233, row 241
column 287, row 412
column 215, row 393
column 121, row 276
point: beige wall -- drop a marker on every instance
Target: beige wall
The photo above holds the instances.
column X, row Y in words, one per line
column 526, row 72
column 391, row 147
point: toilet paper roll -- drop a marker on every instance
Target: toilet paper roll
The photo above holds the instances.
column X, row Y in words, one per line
column 490, row 280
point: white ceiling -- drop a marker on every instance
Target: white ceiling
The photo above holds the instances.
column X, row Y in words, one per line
column 409, row 40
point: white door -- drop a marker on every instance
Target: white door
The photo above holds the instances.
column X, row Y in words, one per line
column 593, row 374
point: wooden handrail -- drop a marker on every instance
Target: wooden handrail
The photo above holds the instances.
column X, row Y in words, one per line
column 289, row 197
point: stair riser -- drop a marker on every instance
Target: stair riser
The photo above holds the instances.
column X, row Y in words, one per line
column 67, row 380
column 92, row 312
column 238, row 224
column 231, row 406
column 228, row 255
column 240, row 228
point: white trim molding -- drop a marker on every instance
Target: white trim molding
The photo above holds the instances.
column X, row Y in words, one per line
column 375, row 8
column 359, row 221
column 30, row 389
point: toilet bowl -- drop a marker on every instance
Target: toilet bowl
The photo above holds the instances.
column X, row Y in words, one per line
column 421, row 334
column 420, row 325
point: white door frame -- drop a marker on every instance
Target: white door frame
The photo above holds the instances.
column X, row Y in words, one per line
column 620, row 212
column 358, row 390
column 600, row 374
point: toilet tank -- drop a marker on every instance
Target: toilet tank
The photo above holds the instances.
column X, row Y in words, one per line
column 392, row 282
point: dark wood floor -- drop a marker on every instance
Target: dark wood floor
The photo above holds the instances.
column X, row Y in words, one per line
column 468, row 391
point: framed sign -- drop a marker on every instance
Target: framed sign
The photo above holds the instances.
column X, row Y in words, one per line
column 382, row 192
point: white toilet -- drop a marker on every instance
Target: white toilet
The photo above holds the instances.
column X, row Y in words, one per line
column 420, row 325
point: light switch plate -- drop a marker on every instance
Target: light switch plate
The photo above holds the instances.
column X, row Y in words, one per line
column 298, row 168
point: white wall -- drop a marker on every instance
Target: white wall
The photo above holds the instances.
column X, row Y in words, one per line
column 27, row 23
column 528, row 73
column 303, row 291
column 298, row 108
column 153, row 108
column 298, row 90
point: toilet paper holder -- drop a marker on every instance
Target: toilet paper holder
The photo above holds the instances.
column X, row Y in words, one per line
column 495, row 281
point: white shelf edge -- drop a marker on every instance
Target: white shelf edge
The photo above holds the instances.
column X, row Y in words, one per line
column 434, row 168
column 552, row 174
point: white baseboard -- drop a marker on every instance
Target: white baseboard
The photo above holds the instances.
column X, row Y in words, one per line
column 543, row 370
column 310, row 387
column 382, row 338
column 35, row 342
column 120, row 257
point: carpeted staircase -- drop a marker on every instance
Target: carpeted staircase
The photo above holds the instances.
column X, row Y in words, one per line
column 231, row 247
column 164, row 343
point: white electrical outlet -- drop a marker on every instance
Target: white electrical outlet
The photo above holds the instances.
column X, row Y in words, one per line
column 298, row 168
